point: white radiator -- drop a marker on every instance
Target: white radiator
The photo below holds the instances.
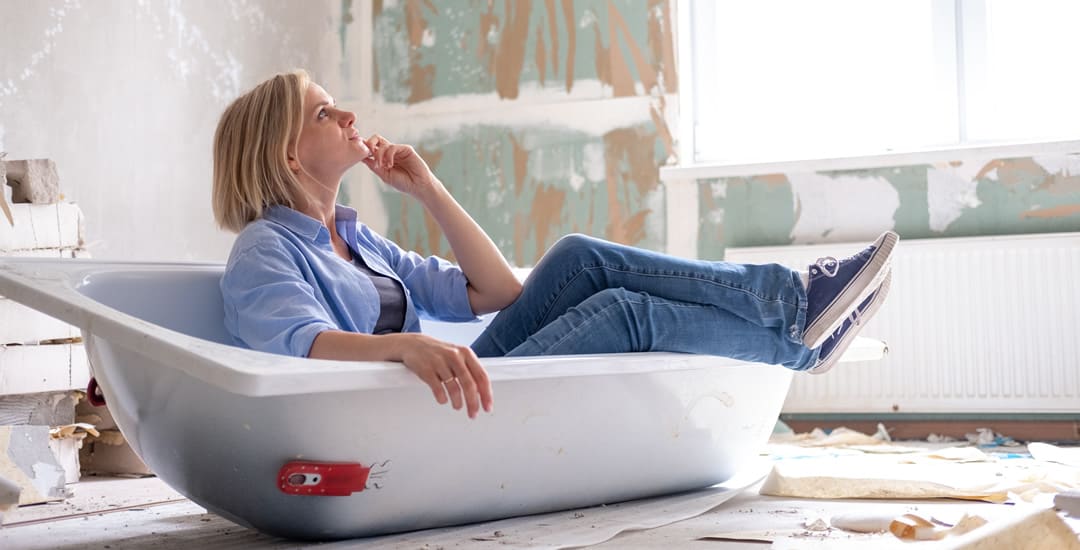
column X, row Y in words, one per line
column 974, row 325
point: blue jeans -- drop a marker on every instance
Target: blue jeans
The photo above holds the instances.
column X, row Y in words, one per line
column 587, row 295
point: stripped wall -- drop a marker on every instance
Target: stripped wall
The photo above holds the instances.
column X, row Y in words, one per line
column 124, row 95
column 955, row 199
column 542, row 117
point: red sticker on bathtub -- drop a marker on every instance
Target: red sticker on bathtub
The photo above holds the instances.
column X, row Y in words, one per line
column 337, row 479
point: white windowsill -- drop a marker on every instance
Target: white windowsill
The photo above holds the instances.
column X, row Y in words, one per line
column 905, row 158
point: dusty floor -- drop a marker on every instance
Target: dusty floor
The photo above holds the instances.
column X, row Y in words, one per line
column 119, row 513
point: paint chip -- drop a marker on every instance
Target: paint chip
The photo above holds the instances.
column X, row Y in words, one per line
column 846, row 207
column 949, row 191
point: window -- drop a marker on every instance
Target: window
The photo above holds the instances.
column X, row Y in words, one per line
column 789, row 79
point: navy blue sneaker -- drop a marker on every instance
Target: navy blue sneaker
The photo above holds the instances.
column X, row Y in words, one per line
column 836, row 287
column 838, row 341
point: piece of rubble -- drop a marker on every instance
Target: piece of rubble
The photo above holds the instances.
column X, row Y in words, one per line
column 33, row 180
column 31, row 464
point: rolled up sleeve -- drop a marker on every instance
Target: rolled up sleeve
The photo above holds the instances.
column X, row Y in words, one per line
column 269, row 306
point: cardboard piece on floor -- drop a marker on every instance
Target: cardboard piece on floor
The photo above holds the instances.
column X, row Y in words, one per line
column 887, row 477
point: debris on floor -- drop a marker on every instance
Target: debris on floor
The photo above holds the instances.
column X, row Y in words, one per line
column 825, row 466
column 847, row 465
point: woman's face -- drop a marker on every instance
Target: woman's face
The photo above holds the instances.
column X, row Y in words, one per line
column 328, row 144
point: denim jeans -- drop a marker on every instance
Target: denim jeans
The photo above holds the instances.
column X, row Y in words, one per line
column 587, row 295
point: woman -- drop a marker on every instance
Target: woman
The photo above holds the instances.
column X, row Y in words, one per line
column 306, row 278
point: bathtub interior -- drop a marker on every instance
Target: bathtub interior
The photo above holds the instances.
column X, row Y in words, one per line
column 150, row 294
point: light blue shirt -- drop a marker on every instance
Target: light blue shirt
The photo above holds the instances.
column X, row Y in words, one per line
column 284, row 284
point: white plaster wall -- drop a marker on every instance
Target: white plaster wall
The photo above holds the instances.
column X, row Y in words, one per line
column 124, row 95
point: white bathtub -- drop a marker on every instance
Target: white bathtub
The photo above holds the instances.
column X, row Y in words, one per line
column 218, row 423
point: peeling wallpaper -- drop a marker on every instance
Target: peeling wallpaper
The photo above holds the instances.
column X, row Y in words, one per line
column 955, row 199
column 529, row 186
column 432, row 49
column 529, row 180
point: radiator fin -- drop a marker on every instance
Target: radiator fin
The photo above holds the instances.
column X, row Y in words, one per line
column 982, row 324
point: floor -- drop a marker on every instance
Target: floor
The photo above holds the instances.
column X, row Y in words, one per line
column 120, row 513
column 117, row 513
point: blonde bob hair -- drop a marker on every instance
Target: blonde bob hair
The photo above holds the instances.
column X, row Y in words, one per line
column 251, row 150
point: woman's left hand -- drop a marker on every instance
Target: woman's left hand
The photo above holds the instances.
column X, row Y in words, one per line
column 399, row 165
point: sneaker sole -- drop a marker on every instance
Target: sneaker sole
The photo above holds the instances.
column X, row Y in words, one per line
column 861, row 286
column 849, row 336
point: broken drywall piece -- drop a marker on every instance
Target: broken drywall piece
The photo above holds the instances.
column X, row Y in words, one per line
column 26, row 459
column 33, row 180
column 1041, row 530
column 1069, row 456
column 39, row 409
column 864, row 522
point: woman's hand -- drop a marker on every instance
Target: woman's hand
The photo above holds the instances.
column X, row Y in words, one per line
column 449, row 370
column 400, row 166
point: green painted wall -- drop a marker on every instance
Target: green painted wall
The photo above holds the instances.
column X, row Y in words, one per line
column 530, row 181
column 991, row 197
column 431, row 49
column 528, row 186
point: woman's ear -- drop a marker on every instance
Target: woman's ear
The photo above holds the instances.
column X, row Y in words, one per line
column 294, row 164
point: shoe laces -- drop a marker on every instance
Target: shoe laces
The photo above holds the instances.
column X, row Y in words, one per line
column 828, row 265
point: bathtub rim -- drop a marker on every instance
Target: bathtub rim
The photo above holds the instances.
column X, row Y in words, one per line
column 51, row 286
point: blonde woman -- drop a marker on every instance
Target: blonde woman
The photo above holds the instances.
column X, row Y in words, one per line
column 305, row 277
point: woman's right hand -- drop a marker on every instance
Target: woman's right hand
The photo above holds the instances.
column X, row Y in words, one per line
column 450, row 370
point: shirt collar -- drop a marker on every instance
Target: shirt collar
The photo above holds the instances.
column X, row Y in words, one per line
column 308, row 227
